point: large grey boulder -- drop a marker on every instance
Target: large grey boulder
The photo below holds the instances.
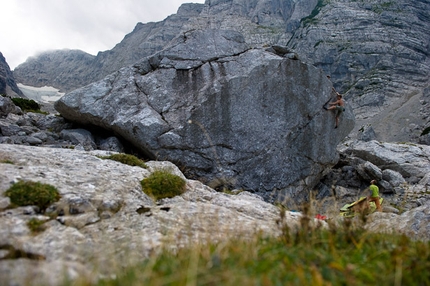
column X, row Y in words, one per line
column 7, row 106
column 413, row 223
column 412, row 161
column 230, row 115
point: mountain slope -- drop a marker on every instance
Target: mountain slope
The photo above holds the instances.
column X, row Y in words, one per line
column 7, row 82
column 376, row 51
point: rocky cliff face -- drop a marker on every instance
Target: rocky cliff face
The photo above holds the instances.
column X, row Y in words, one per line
column 7, row 81
column 261, row 22
column 68, row 70
column 63, row 69
column 377, row 52
column 232, row 116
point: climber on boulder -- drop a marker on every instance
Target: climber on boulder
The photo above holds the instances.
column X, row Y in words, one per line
column 338, row 106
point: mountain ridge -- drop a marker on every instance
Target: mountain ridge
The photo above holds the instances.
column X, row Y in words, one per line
column 376, row 52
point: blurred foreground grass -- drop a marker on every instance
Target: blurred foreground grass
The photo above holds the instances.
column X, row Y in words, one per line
column 342, row 256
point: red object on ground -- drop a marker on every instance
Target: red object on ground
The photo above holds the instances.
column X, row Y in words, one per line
column 321, row 217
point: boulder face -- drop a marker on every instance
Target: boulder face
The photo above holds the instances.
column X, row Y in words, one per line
column 231, row 116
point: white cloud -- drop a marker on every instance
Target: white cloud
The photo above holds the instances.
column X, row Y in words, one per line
column 28, row 27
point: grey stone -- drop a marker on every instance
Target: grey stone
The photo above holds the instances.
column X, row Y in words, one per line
column 32, row 140
column 9, row 129
column 369, row 171
column 7, row 106
column 410, row 160
column 236, row 117
column 366, row 133
column 80, row 137
column 394, row 178
column 111, row 144
column 413, row 223
column 80, row 238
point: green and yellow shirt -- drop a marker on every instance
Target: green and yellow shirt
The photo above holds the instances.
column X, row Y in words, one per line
column 375, row 191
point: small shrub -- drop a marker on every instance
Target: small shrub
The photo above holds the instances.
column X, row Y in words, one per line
column 36, row 225
column 26, row 104
column 163, row 184
column 27, row 193
column 126, row 159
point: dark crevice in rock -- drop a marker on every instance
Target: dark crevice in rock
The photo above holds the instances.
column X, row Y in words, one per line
column 14, row 253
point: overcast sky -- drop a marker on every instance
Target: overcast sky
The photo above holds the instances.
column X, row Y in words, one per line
column 28, row 27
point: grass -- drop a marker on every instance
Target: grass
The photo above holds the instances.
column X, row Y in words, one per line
column 28, row 105
column 163, row 184
column 127, row 159
column 28, row 193
column 36, row 226
column 344, row 256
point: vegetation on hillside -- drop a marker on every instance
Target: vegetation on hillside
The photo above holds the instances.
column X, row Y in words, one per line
column 343, row 256
column 27, row 104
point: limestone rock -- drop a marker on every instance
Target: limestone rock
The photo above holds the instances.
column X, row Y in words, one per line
column 410, row 160
column 51, row 130
column 81, row 137
column 366, row 133
column 234, row 117
column 7, row 81
column 402, row 172
column 262, row 22
column 414, row 223
column 104, row 218
column 7, row 106
column 377, row 53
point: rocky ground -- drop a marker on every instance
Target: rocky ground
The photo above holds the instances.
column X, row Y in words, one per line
column 105, row 219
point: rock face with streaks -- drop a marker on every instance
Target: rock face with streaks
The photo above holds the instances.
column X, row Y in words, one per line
column 232, row 116
column 377, row 52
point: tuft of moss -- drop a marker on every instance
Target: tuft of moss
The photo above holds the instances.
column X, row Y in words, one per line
column 163, row 184
column 28, row 193
column 26, row 104
column 36, row 225
column 126, row 159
